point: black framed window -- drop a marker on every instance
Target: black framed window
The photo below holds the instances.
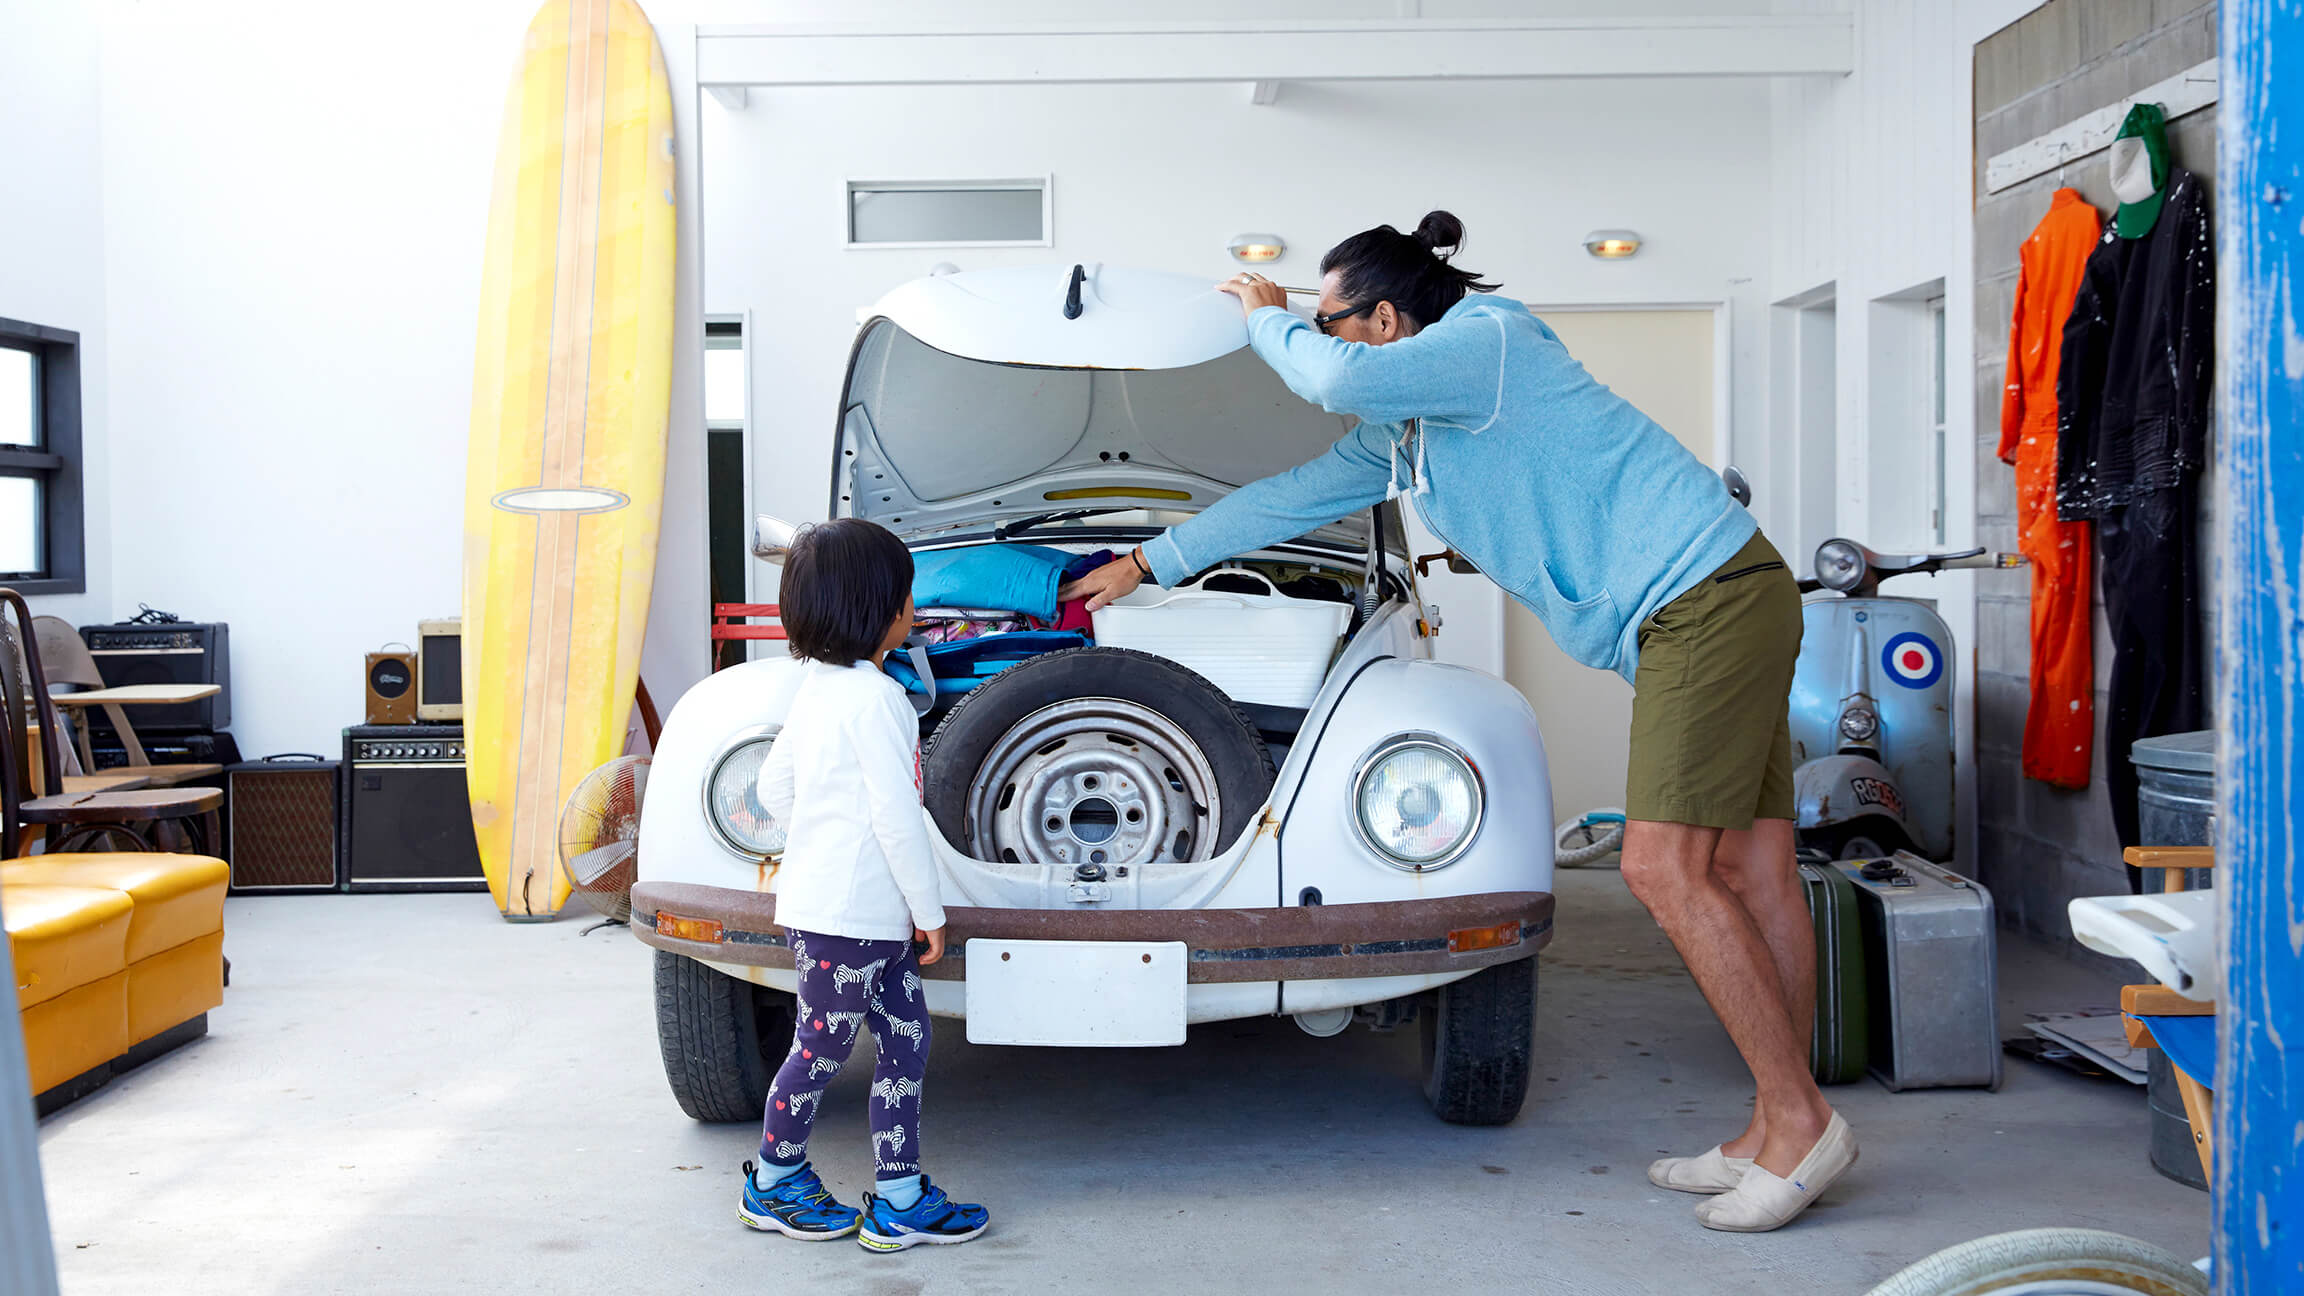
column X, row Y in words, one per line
column 41, row 542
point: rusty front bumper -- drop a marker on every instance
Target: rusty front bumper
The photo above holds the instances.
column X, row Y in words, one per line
column 1305, row 943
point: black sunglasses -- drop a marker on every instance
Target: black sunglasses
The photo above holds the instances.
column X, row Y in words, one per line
column 1324, row 321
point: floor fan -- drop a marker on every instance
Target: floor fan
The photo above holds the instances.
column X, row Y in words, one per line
column 600, row 836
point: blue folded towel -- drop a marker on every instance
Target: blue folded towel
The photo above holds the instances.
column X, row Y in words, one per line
column 1009, row 577
column 2189, row 1042
column 963, row 664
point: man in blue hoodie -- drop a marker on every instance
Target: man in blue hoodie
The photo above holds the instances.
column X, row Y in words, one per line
column 1637, row 560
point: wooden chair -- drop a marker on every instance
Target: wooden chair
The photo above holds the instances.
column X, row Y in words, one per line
column 68, row 661
column 145, row 819
column 2174, row 865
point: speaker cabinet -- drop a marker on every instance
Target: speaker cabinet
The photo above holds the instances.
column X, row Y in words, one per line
column 282, row 834
column 440, row 671
column 391, row 688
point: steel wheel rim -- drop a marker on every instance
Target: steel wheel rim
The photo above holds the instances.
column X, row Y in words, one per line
column 1094, row 782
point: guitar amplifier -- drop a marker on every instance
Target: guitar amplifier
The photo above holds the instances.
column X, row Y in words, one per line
column 407, row 814
column 391, row 688
column 163, row 749
column 282, row 833
column 166, row 652
column 440, row 670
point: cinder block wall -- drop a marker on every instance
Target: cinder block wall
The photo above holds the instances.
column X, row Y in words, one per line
column 2037, row 846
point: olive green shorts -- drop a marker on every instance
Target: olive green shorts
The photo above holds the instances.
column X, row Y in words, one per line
column 1711, row 742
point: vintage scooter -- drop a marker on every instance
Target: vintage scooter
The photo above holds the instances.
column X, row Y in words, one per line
column 1872, row 703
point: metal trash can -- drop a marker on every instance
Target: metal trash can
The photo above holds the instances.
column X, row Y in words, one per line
column 2175, row 798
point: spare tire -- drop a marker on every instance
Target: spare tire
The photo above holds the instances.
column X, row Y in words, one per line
column 1095, row 756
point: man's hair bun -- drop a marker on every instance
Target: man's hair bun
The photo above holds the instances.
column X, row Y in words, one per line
column 1412, row 271
column 1441, row 232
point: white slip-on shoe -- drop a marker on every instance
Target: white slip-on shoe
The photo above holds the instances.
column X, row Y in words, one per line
column 1712, row 1171
column 1764, row 1201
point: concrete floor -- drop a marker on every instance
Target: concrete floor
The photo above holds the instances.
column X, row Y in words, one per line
column 404, row 1094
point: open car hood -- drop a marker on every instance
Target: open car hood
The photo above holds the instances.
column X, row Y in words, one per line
column 977, row 398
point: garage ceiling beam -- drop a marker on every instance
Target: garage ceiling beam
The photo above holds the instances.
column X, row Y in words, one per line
column 1378, row 50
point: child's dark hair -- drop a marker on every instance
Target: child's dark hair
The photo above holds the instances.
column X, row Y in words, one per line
column 844, row 583
column 1408, row 270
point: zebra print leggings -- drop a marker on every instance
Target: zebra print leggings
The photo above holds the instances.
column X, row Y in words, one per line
column 843, row 984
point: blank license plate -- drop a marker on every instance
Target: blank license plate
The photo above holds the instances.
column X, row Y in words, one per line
column 1096, row 994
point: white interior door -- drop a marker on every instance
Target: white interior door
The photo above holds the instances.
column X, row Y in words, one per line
column 1661, row 361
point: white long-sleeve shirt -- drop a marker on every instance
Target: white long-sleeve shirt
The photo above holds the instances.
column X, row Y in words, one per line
column 844, row 779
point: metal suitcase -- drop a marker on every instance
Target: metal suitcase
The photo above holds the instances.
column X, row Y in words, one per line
column 1930, row 959
column 1838, row 1048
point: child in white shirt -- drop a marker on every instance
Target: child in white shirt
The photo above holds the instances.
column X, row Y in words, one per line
column 856, row 886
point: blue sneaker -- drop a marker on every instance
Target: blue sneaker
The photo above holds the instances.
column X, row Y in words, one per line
column 935, row 1220
column 798, row 1205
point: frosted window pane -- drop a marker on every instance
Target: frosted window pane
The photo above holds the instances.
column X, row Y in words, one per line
column 1939, row 365
column 19, row 423
column 724, row 385
column 945, row 216
column 19, row 525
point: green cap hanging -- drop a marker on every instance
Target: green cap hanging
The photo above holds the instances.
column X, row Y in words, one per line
column 2140, row 169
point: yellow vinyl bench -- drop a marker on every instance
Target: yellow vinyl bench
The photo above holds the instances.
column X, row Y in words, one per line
column 119, row 958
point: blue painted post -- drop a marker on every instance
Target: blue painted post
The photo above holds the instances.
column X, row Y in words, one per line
column 2260, row 653
column 27, row 1264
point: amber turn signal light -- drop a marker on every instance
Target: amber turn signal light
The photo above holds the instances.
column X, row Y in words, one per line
column 708, row 931
column 1464, row 940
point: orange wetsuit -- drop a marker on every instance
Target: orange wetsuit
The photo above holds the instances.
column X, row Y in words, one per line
column 2059, row 727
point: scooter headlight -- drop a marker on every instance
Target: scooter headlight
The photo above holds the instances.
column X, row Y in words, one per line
column 1859, row 724
column 732, row 796
column 1417, row 803
column 1839, row 565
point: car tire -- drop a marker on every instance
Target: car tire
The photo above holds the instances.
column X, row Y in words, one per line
column 1479, row 1035
column 955, row 756
column 2047, row 1259
column 722, row 1038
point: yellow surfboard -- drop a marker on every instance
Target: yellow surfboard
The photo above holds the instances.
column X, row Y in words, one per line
column 571, row 389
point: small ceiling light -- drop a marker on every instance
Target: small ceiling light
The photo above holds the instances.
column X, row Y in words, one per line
column 1256, row 249
column 1612, row 244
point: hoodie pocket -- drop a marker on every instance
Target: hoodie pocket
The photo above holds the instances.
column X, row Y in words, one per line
column 1585, row 628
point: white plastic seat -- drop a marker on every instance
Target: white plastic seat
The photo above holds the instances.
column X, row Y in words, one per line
column 2173, row 934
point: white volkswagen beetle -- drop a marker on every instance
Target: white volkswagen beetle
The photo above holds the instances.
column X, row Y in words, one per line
column 1126, row 850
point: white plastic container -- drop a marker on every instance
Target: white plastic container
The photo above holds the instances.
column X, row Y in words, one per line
column 1263, row 648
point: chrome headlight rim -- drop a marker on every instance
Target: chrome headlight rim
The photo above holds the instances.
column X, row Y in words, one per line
column 729, row 746
column 1399, row 742
column 1859, row 724
column 1840, row 564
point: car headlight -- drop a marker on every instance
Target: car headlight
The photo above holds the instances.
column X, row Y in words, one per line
column 1416, row 802
column 732, row 796
column 1858, row 724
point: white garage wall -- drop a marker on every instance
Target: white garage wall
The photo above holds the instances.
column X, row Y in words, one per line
column 293, row 200
column 1873, row 192
column 296, row 201
column 1162, row 176
column 52, row 234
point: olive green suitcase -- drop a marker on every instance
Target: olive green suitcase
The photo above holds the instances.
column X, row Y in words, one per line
column 1840, row 1047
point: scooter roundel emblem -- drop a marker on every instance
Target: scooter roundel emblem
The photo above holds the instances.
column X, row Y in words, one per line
column 1912, row 660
